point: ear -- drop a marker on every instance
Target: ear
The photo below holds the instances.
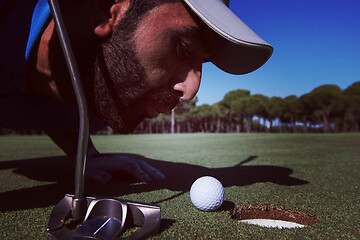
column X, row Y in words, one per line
column 105, row 25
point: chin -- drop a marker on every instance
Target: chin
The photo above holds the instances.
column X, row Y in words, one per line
column 125, row 126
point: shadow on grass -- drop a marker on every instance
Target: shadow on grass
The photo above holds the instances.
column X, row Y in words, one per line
column 59, row 172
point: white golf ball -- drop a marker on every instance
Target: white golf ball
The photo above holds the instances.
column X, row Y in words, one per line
column 207, row 193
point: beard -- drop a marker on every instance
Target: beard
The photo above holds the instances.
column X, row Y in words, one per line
column 120, row 94
column 115, row 83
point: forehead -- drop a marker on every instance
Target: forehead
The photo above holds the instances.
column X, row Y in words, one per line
column 169, row 18
column 172, row 19
column 168, row 15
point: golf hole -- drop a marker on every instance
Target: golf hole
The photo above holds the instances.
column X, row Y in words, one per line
column 272, row 217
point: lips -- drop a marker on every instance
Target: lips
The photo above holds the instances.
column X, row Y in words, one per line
column 162, row 100
column 165, row 108
column 155, row 109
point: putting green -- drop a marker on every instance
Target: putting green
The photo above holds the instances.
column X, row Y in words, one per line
column 313, row 173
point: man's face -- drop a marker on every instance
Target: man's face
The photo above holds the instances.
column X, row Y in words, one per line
column 148, row 70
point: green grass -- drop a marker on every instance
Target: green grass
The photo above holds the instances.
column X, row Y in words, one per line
column 314, row 173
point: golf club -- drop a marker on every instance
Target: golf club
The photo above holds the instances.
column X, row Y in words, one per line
column 102, row 218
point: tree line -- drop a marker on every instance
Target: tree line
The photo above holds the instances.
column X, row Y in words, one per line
column 326, row 108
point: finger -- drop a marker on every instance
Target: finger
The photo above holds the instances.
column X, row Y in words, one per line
column 98, row 176
column 154, row 173
column 135, row 167
column 139, row 169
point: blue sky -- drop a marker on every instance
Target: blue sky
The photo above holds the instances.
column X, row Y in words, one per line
column 315, row 42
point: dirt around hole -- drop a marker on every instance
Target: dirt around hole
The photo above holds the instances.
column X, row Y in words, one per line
column 271, row 212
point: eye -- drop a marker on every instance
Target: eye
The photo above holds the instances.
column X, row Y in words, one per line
column 183, row 50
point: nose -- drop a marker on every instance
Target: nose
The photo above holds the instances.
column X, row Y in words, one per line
column 190, row 84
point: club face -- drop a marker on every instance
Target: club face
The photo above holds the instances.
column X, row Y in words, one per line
column 99, row 228
column 105, row 219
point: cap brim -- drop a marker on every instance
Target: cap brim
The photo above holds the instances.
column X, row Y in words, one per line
column 240, row 50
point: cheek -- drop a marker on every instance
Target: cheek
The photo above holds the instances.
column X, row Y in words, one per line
column 158, row 59
column 160, row 67
column 156, row 77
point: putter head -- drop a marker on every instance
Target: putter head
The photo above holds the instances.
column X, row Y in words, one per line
column 104, row 219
